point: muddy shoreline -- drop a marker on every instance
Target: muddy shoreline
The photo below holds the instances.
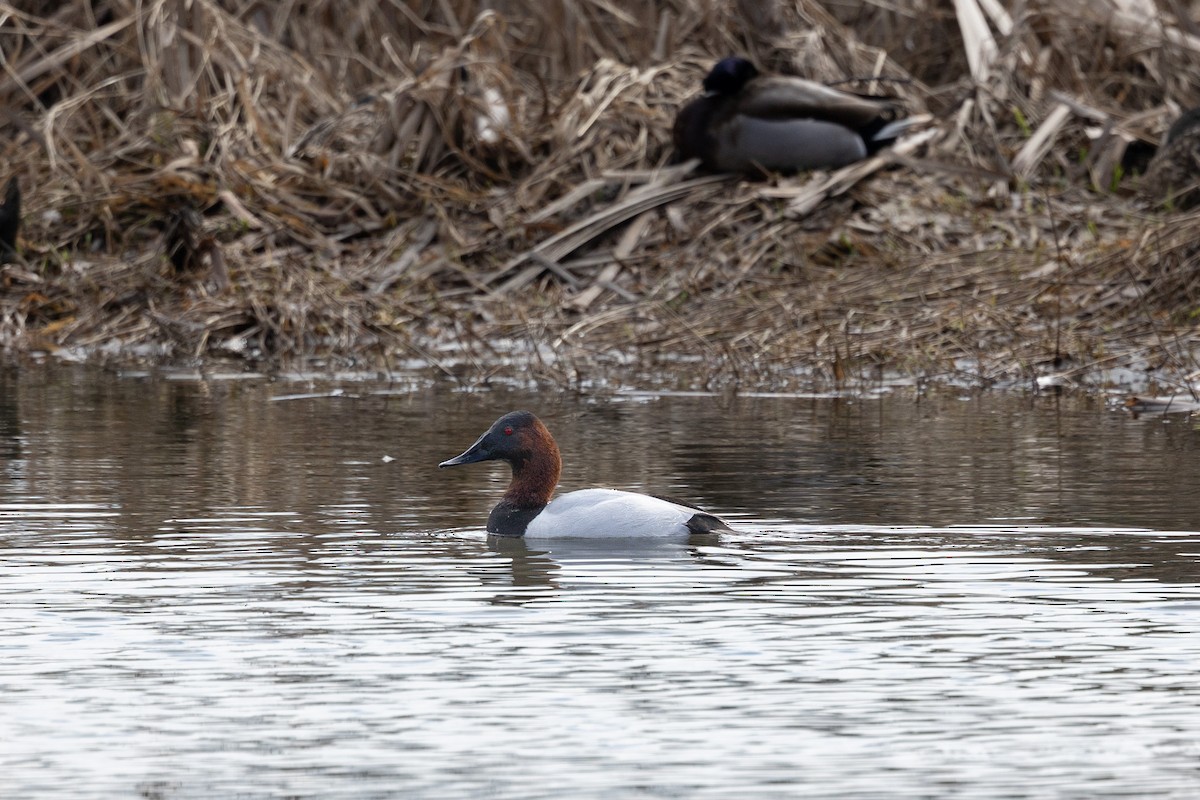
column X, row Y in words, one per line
column 299, row 193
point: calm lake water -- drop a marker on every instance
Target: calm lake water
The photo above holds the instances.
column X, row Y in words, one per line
column 218, row 589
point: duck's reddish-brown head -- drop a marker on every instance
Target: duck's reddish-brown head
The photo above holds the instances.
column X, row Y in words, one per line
column 520, row 439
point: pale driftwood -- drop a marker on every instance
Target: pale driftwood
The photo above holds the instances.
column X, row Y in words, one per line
column 417, row 243
column 629, row 240
column 571, row 198
column 575, row 236
column 1039, row 144
column 53, row 60
column 999, row 16
column 978, row 42
column 1147, row 26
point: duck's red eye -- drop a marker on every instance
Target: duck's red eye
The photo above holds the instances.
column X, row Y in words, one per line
column 508, row 430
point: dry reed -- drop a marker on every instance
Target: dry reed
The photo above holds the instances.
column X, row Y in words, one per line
column 488, row 188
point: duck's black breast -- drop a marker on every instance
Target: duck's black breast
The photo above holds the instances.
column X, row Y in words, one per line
column 693, row 131
column 509, row 519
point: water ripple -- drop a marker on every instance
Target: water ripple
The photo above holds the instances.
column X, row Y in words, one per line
column 243, row 598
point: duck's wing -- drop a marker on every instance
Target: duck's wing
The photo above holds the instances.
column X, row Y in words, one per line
column 777, row 98
column 690, row 133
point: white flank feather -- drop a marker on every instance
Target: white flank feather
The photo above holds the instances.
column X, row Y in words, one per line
column 609, row 513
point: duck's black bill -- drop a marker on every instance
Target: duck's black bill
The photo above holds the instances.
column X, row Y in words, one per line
column 476, row 452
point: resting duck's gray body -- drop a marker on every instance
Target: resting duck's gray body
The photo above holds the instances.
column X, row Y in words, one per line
column 750, row 123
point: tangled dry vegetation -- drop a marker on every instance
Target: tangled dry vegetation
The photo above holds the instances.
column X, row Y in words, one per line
column 487, row 188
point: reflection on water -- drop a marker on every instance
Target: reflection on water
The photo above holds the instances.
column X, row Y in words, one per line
column 205, row 593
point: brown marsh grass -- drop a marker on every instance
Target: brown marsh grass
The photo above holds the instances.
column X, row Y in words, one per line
column 488, row 188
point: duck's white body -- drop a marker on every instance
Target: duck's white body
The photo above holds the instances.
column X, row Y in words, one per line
column 609, row 513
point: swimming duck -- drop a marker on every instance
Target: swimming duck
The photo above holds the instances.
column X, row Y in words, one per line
column 749, row 123
column 1174, row 173
column 521, row 439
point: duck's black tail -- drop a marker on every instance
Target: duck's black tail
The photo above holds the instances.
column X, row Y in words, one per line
column 889, row 131
column 706, row 523
column 701, row 521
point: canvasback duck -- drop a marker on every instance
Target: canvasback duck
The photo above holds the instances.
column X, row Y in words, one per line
column 750, row 123
column 521, row 439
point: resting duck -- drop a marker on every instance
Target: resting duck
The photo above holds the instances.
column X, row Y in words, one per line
column 523, row 441
column 749, row 123
column 1173, row 177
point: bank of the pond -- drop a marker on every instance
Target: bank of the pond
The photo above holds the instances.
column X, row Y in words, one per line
column 216, row 185
column 1086, row 292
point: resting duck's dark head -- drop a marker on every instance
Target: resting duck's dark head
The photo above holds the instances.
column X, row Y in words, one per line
column 729, row 76
column 754, row 124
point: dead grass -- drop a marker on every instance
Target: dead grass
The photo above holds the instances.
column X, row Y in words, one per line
column 490, row 191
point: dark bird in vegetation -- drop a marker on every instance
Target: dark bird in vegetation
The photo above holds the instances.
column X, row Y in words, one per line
column 10, row 219
column 751, row 123
column 181, row 239
column 1173, row 177
column 186, row 245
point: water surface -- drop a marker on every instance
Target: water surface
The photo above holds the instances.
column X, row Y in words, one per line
column 220, row 588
